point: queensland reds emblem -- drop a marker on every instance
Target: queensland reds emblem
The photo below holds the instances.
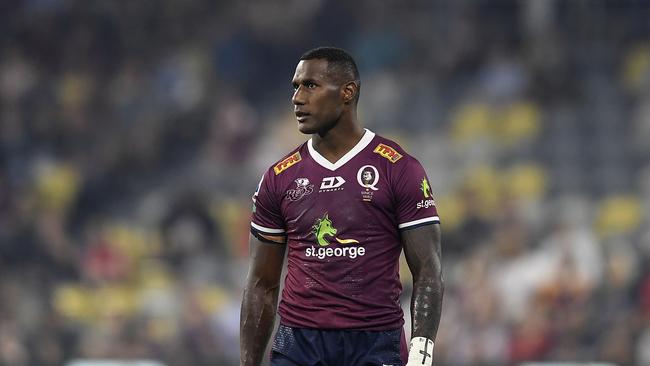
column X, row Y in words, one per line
column 303, row 188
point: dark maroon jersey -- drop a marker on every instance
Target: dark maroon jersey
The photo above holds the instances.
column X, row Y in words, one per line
column 342, row 221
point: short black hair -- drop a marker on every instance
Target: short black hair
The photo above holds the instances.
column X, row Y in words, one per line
column 338, row 61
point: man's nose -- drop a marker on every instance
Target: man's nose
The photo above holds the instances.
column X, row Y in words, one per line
column 298, row 97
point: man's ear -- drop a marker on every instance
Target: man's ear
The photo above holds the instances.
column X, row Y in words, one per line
column 350, row 91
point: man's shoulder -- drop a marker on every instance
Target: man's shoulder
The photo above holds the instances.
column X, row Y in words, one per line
column 390, row 150
column 290, row 159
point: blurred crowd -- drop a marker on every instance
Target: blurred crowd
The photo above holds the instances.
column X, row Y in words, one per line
column 133, row 133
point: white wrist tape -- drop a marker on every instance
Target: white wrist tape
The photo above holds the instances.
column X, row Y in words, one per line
column 420, row 352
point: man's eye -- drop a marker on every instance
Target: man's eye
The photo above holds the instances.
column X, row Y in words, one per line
column 311, row 85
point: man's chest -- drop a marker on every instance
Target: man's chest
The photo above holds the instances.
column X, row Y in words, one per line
column 352, row 196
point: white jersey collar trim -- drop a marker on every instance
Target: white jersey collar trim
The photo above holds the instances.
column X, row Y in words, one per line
column 320, row 159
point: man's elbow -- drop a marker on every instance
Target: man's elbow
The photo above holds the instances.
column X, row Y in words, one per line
column 262, row 283
column 430, row 276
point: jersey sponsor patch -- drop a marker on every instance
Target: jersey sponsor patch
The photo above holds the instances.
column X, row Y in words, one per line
column 326, row 234
column 426, row 188
column 388, row 152
column 324, row 228
column 286, row 163
column 331, row 184
column 428, row 196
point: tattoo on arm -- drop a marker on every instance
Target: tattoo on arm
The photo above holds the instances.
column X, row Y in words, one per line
column 422, row 250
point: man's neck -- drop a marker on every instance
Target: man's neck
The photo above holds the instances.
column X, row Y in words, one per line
column 335, row 143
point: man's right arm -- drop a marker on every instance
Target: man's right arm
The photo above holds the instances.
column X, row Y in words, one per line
column 260, row 297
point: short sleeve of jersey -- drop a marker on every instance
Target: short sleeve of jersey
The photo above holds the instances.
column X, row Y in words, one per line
column 414, row 197
column 266, row 217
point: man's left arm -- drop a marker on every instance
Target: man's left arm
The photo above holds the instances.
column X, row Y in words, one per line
column 422, row 250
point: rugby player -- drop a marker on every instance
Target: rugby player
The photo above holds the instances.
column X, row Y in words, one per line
column 343, row 205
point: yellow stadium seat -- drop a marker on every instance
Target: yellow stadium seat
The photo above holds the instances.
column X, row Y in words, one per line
column 618, row 215
column 73, row 302
column 526, row 181
column 471, row 121
column 212, row 298
column 636, row 68
column 57, row 186
column 519, row 122
column 115, row 300
column 484, row 182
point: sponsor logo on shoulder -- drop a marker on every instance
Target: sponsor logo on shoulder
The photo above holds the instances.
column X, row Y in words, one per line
column 287, row 162
column 428, row 196
column 426, row 204
column 388, row 152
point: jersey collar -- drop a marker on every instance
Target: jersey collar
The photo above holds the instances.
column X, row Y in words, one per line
column 320, row 159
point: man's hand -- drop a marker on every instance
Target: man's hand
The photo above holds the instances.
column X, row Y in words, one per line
column 420, row 352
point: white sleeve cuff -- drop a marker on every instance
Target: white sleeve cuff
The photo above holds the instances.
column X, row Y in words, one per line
column 433, row 219
column 266, row 230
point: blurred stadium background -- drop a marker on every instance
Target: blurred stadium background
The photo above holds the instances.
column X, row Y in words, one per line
column 132, row 134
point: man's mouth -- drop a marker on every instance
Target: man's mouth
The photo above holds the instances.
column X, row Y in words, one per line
column 301, row 116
